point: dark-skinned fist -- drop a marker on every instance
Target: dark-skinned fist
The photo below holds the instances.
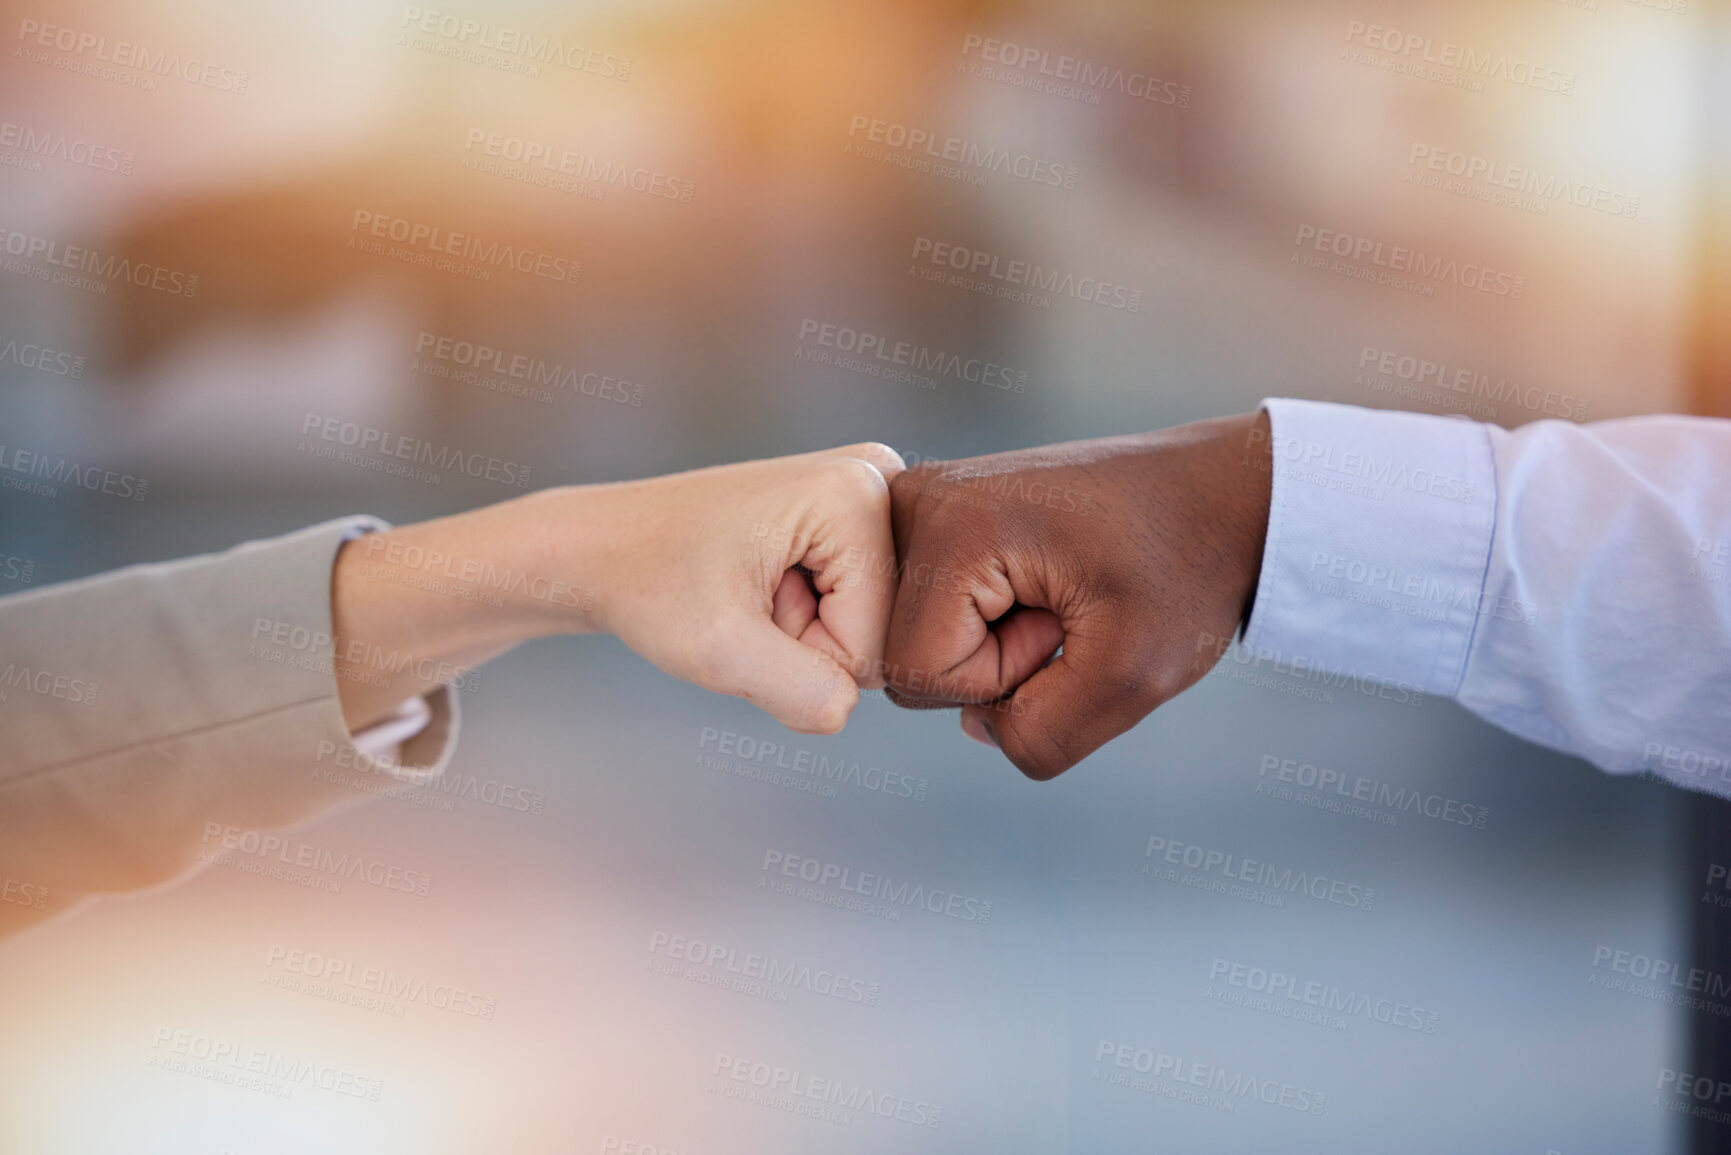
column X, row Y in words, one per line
column 1131, row 559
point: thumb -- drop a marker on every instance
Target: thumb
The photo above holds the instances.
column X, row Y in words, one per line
column 805, row 689
column 1088, row 695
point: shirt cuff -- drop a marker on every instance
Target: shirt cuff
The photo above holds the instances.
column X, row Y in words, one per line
column 414, row 742
column 1379, row 535
column 387, row 736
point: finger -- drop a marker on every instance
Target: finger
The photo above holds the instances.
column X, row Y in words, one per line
column 1011, row 651
column 852, row 561
column 908, row 703
column 803, row 689
column 1027, row 638
column 958, row 634
column 794, row 607
column 888, row 461
column 940, row 646
column 1088, row 695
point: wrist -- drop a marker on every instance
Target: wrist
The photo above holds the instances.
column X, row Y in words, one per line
column 419, row 606
column 1254, row 495
column 541, row 560
column 492, row 576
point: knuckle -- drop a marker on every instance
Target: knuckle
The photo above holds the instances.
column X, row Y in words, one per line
column 715, row 655
column 853, row 480
column 1037, row 752
column 878, row 454
column 828, row 717
column 868, row 670
column 908, row 486
column 1137, row 677
column 889, row 453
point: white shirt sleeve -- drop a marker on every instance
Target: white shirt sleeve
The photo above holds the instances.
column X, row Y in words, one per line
column 1569, row 583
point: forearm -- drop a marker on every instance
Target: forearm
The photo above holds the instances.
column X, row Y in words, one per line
column 421, row 605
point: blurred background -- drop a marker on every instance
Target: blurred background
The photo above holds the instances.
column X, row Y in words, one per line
column 601, row 241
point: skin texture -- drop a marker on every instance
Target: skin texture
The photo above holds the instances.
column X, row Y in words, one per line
column 769, row 580
column 1137, row 555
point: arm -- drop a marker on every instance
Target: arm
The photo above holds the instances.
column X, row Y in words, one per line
column 694, row 571
column 140, row 705
column 213, row 690
column 1560, row 581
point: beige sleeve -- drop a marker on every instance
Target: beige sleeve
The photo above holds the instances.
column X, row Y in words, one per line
column 142, row 706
